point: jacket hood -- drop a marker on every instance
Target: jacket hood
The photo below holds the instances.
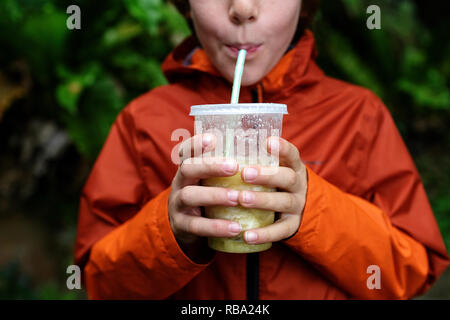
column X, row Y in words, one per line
column 296, row 68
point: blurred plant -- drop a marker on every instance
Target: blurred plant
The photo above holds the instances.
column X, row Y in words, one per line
column 93, row 72
column 73, row 82
column 15, row 284
column 405, row 63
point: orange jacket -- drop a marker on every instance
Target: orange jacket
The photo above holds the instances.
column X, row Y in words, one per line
column 365, row 203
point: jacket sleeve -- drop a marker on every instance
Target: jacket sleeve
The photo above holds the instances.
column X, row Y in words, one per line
column 124, row 241
column 349, row 239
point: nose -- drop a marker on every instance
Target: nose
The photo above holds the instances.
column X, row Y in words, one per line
column 243, row 11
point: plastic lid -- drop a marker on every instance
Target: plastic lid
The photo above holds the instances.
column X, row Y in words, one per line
column 241, row 108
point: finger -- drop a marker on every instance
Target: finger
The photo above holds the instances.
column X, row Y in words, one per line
column 283, row 228
column 197, row 196
column 288, row 154
column 283, row 178
column 196, row 145
column 192, row 170
column 205, row 227
column 272, row 201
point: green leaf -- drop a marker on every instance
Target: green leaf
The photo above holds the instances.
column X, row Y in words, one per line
column 43, row 41
column 351, row 64
column 99, row 106
column 123, row 32
column 175, row 23
column 431, row 92
column 355, row 8
column 147, row 12
column 68, row 93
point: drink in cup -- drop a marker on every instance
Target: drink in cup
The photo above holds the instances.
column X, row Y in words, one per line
column 241, row 131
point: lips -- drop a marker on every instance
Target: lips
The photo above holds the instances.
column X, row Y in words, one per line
column 251, row 48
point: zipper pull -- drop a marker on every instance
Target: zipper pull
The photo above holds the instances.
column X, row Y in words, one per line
column 257, row 93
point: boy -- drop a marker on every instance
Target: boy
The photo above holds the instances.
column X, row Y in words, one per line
column 352, row 204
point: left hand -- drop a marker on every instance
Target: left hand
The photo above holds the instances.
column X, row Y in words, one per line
column 291, row 180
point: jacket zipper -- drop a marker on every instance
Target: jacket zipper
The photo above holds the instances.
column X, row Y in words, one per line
column 253, row 276
column 253, row 258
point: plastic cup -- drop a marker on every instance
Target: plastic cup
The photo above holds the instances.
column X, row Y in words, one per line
column 241, row 131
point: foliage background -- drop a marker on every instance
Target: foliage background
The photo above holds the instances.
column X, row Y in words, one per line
column 60, row 90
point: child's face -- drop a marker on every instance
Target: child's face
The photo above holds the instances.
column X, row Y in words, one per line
column 264, row 28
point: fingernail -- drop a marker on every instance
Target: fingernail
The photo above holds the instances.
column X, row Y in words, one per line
column 234, row 227
column 250, row 236
column 248, row 197
column 274, row 145
column 229, row 165
column 250, row 173
column 207, row 139
column 233, row 195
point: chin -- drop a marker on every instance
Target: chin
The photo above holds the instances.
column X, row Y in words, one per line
column 250, row 80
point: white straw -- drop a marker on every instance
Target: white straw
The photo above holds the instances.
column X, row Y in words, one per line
column 229, row 146
column 238, row 76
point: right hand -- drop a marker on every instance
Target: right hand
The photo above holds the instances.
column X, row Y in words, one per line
column 187, row 195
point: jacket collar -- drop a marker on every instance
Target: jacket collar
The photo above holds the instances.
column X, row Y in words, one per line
column 295, row 68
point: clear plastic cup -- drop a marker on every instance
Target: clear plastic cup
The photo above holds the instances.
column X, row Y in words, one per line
column 241, row 131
